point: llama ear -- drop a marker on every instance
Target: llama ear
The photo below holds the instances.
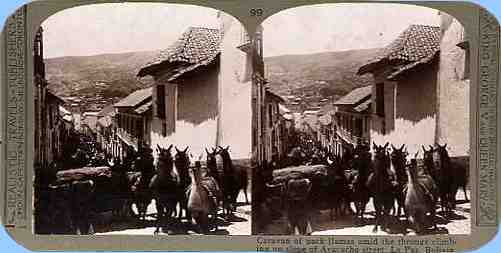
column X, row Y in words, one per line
column 177, row 150
column 386, row 145
column 170, row 147
column 401, row 148
column 374, row 146
column 416, row 155
column 431, row 147
column 393, row 147
column 445, row 145
column 159, row 148
column 424, row 149
column 186, row 149
column 227, row 148
column 207, row 151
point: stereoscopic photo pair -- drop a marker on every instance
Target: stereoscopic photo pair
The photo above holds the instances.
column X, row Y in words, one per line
column 328, row 119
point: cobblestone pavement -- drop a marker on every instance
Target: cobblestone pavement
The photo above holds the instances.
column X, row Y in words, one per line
column 240, row 224
column 458, row 223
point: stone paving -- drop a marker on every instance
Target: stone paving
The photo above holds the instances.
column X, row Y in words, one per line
column 240, row 224
column 458, row 223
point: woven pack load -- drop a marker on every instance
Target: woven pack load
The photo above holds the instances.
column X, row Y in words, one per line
column 298, row 172
column 85, row 173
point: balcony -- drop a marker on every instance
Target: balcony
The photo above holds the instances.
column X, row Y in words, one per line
column 128, row 138
column 349, row 137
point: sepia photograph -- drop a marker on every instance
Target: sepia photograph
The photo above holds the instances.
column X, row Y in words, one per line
column 364, row 123
column 143, row 121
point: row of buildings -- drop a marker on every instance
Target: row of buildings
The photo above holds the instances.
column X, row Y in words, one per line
column 420, row 95
column 53, row 122
column 209, row 91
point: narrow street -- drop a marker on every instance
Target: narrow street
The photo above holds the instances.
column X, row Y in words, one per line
column 240, row 224
column 459, row 223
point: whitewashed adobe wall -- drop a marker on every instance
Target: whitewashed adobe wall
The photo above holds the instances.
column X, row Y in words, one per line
column 196, row 119
column 410, row 110
column 213, row 108
column 235, row 84
column 454, row 90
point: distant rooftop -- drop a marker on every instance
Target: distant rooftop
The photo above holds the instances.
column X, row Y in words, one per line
column 355, row 96
column 135, row 98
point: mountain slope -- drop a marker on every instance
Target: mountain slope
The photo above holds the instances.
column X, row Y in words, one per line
column 110, row 75
column 329, row 74
column 101, row 78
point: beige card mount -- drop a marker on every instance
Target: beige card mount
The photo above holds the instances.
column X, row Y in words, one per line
column 305, row 126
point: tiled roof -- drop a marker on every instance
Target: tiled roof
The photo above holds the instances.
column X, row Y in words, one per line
column 108, row 110
column 135, row 98
column 52, row 96
column 63, row 111
column 105, row 121
column 325, row 119
column 68, row 117
column 274, row 96
column 355, row 96
column 311, row 121
column 283, row 109
column 363, row 106
column 143, row 108
column 416, row 45
column 328, row 108
column 197, row 47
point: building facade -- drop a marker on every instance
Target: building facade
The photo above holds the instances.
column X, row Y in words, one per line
column 275, row 138
column 50, row 121
column 454, row 88
column 352, row 119
column 106, row 130
column 204, row 100
column 132, row 122
column 420, row 94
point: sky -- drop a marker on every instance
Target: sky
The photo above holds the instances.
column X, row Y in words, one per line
column 120, row 27
column 338, row 27
column 126, row 27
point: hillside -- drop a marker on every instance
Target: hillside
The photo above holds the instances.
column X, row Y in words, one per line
column 328, row 75
column 102, row 79
column 109, row 75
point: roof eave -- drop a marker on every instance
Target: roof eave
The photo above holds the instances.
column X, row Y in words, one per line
column 397, row 74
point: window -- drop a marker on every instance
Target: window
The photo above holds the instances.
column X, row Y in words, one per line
column 259, row 48
column 133, row 127
column 50, row 117
column 270, row 115
column 254, row 115
column 380, row 99
column 161, row 101
column 466, row 72
column 350, row 124
column 139, row 128
column 277, row 113
column 129, row 125
column 258, row 44
column 358, row 127
column 245, row 36
column 171, row 101
column 467, row 64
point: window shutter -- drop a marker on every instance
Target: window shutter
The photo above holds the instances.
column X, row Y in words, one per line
column 161, row 101
column 171, row 108
column 380, row 99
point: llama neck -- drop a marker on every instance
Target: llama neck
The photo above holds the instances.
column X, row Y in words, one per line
column 400, row 171
column 412, row 176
